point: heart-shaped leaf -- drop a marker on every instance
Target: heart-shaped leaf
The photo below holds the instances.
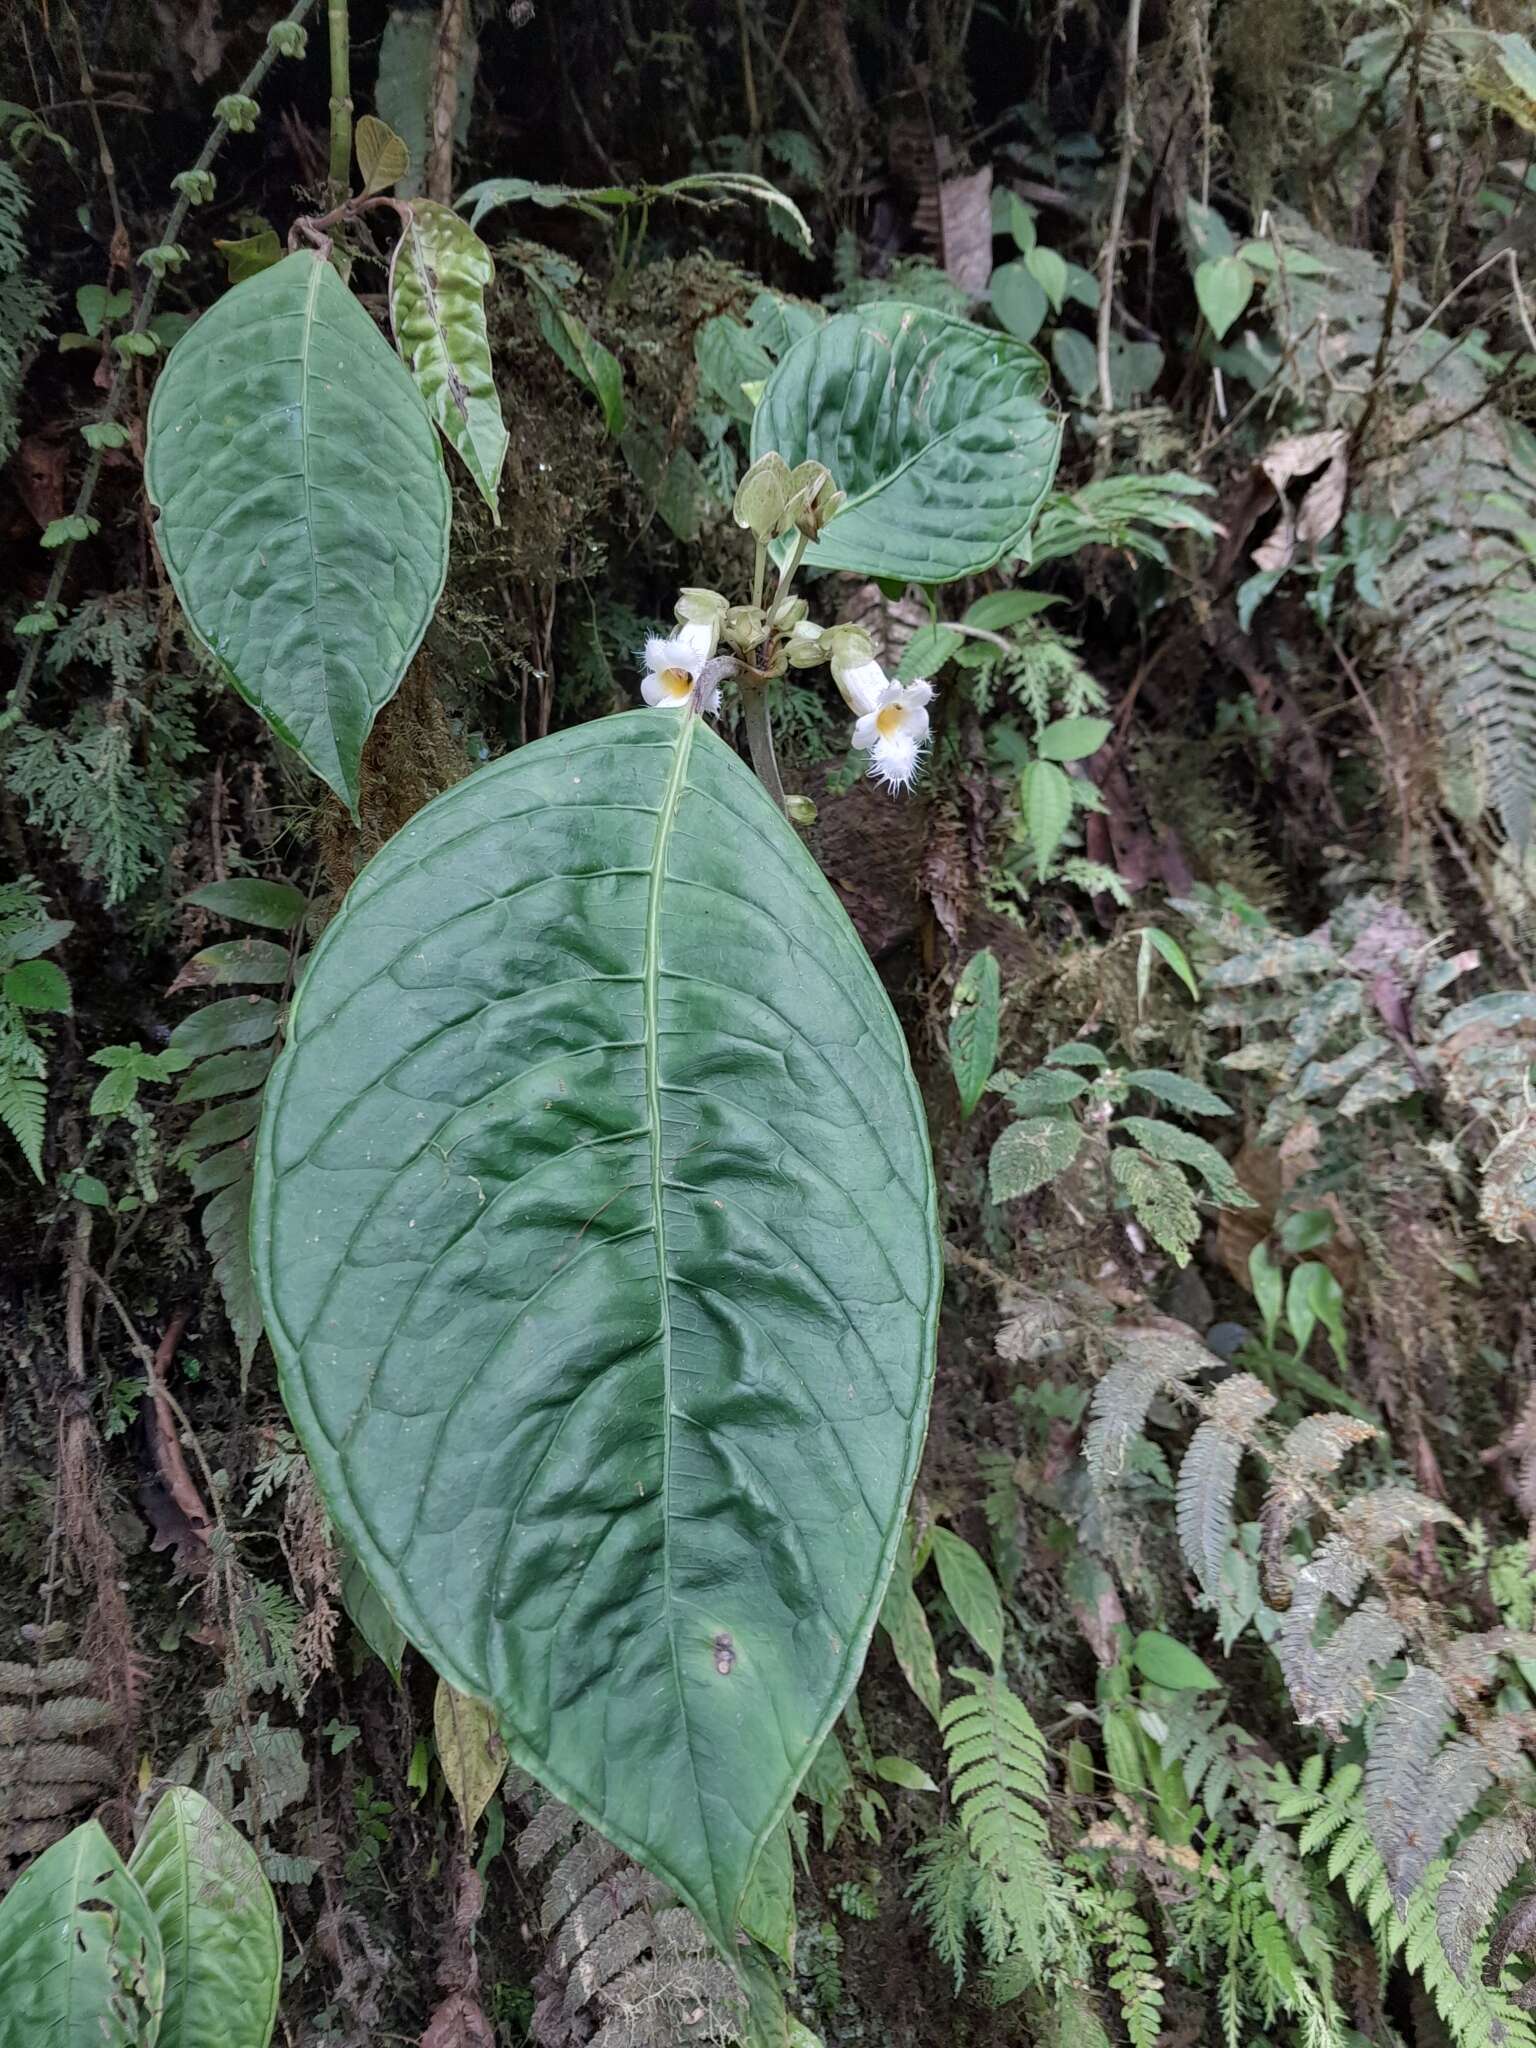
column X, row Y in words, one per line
column 81, row 1960
column 382, row 156
column 1019, row 300
column 594, row 1224
column 936, row 429
column 438, row 279
column 1223, row 285
column 303, row 507
column 218, row 1921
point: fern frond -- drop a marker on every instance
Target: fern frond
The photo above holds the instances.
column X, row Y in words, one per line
column 1482, row 1868
column 1416, row 1793
column 1208, row 1476
column 1160, row 1197
column 1151, row 1357
column 1331, row 1682
column 944, row 1893
column 998, row 1780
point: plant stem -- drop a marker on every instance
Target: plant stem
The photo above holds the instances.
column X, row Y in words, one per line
column 445, row 102
column 114, row 399
column 1117, row 208
column 754, row 704
column 341, row 98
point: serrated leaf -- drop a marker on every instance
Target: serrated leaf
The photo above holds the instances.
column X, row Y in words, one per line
column 438, row 279
column 226, row 1224
column 1169, row 1142
column 224, row 1073
column 277, row 906
column 570, row 1174
column 309, row 559
column 973, row 1027
column 937, row 430
column 82, row 1964
column 382, row 157
column 471, row 1752
column 927, row 651
column 1223, row 285
column 1046, row 1088
column 36, row 985
column 971, row 1590
column 218, row 1922
column 1178, row 1091
column 1045, row 802
column 1030, row 1153
column 1073, row 739
column 1163, row 1660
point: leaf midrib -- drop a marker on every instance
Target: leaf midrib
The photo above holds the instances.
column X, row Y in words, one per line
column 651, row 985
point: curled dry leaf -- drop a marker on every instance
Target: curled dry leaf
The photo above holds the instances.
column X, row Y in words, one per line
column 1322, row 503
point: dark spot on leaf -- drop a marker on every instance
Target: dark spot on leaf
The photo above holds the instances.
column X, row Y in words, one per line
column 725, row 1654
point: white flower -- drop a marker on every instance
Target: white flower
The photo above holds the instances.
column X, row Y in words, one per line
column 892, row 731
column 674, row 675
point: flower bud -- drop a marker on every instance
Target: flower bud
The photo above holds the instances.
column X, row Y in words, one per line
column 813, row 498
column 806, row 646
column 761, row 496
column 744, row 627
column 800, row 809
column 788, row 614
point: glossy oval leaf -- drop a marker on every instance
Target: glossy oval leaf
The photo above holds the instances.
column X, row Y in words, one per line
column 595, row 1228
column 218, row 1922
column 937, row 430
column 303, row 506
column 438, row 279
column 81, row 1960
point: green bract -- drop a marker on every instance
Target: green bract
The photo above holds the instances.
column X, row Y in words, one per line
column 594, row 1227
column 81, row 1960
column 223, row 1944
column 303, row 506
column 936, row 429
column 437, row 286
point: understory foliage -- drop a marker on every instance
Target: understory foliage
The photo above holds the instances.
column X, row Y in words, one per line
column 1201, row 1704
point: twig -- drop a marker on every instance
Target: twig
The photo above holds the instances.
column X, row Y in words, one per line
column 340, row 40
column 1117, row 207
column 445, row 102
column 1409, row 126
column 22, row 692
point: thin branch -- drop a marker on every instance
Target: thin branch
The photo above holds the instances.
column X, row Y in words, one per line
column 445, row 102
column 1408, row 129
column 340, row 40
column 21, row 694
column 1117, row 209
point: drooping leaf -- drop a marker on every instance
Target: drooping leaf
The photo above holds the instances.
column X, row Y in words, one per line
column 936, row 429
column 370, row 1617
column 1045, row 799
column 303, row 506
column 579, row 349
column 904, row 1621
column 768, row 1908
column 205, row 1886
column 471, row 1752
column 1163, row 1660
column 438, row 279
column 82, row 1964
column 972, row 1591
column 973, row 1015
column 594, row 1225
column 1223, row 285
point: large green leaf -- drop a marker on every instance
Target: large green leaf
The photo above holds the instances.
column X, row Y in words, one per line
column 81, row 1961
column 218, row 1920
column 936, row 429
column 437, row 285
column 303, row 506
column 594, row 1225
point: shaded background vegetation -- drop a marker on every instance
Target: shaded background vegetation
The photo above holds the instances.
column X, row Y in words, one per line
column 1317, row 781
